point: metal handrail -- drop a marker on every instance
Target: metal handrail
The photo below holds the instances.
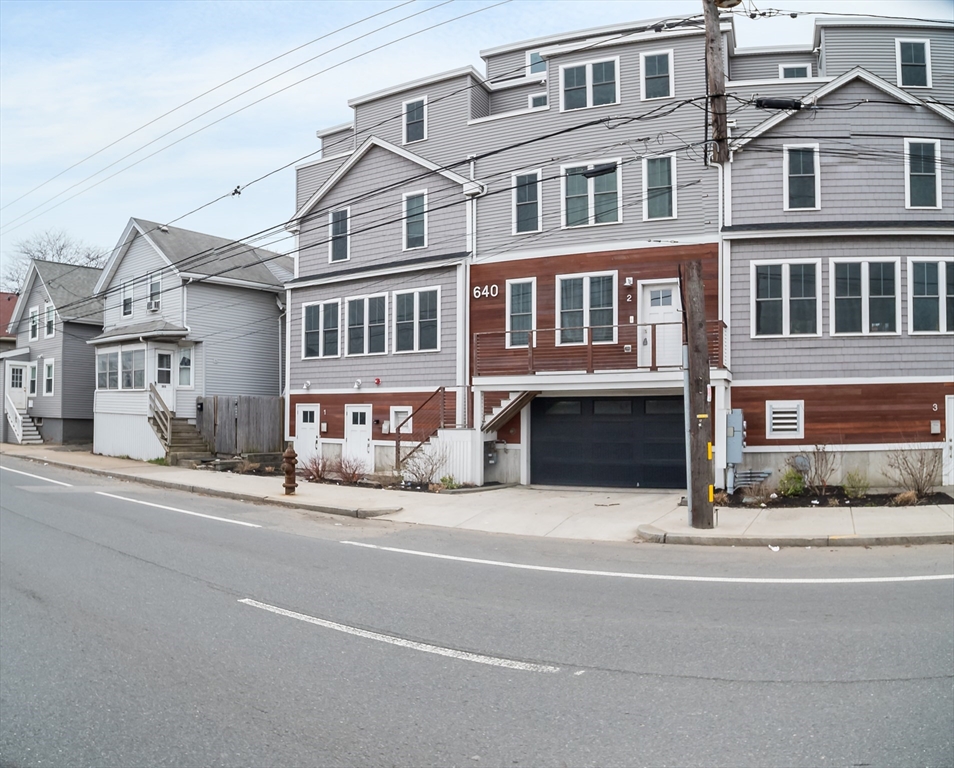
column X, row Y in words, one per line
column 14, row 417
column 428, row 434
column 161, row 415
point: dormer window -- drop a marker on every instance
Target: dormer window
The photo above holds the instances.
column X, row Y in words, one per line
column 794, row 71
column 914, row 63
column 536, row 64
column 590, row 85
column 415, row 120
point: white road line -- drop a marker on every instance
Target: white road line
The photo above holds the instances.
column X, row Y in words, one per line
column 657, row 576
column 46, row 479
column 401, row 642
column 183, row 511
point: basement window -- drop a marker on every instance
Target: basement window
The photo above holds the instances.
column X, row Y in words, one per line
column 785, row 419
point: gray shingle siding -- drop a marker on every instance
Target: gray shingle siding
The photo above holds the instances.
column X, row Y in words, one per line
column 764, row 66
column 311, row 177
column 338, row 142
column 137, row 264
column 506, row 65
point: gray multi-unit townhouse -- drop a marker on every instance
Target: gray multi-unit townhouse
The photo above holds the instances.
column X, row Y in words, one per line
column 490, row 261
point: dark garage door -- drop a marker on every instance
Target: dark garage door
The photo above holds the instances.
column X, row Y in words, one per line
column 624, row 442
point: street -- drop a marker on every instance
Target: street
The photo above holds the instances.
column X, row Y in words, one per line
column 141, row 627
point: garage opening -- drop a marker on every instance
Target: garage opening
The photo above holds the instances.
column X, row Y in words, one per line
column 620, row 442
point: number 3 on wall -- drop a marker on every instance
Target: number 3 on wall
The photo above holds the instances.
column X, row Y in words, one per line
column 485, row 291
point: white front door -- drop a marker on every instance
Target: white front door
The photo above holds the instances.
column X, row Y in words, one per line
column 165, row 358
column 306, row 431
column 949, row 440
column 358, row 435
column 16, row 384
column 661, row 327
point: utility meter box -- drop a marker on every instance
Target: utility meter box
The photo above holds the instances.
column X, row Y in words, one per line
column 490, row 452
column 734, row 436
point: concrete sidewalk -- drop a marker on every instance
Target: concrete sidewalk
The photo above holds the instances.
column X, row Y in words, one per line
column 586, row 514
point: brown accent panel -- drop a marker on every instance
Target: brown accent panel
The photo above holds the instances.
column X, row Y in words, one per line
column 510, row 432
column 851, row 413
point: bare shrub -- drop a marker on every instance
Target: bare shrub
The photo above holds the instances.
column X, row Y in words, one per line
column 855, row 485
column 821, row 468
column 349, row 469
column 905, row 499
column 425, row 465
column 916, row 470
column 315, row 469
column 720, row 499
column 760, row 493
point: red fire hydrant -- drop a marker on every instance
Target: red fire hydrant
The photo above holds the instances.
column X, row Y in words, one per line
column 290, row 459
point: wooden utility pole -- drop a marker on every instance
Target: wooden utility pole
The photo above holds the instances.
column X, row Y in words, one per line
column 699, row 418
column 715, row 73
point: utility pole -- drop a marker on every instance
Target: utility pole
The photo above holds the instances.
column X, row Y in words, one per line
column 698, row 416
column 715, row 73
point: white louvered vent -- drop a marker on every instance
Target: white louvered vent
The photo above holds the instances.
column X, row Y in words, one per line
column 784, row 419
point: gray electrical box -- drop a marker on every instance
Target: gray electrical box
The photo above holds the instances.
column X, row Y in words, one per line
column 734, row 436
column 490, row 452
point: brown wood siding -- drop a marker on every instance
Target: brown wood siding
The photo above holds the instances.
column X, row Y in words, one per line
column 333, row 410
column 850, row 413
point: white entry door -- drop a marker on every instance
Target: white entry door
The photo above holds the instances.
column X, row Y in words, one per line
column 306, row 431
column 660, row 306
column 16, row 384
column 165, row 358
column 358, row 434
column 949, row 440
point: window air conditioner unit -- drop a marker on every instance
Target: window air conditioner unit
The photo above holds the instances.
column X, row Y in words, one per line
column 152, row 306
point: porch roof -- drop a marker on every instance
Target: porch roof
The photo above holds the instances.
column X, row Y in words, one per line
column 151, row 329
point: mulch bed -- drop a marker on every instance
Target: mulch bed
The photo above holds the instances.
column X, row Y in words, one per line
column 834, row 498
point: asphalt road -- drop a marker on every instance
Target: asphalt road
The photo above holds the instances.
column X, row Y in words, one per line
column 134, row 634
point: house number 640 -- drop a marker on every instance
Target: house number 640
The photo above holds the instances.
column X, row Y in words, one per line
column 485, row 291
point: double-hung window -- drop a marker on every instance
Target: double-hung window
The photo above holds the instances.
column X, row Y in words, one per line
column 914, row 63
column 586, row 303
column 931, row 296
column 155, row 288
column 655, row 75
column 520, row 311
column 339, row 235
column 922, row 170
column 49, row 320
column 659, row 187
column 415, row 220
column 416, row 320
column 133, row 368
column 31, row 384
column 126, row 299
column 320, row 329
column 415, row 120
column 801, row 187
column 591, row 194
column 785, row 298
column 107, row 370
column 34, row 323
column 589, row 85
column 185, row 366
column 367, row 325
column 526, row 202
column 48, row 369
column 864, row 296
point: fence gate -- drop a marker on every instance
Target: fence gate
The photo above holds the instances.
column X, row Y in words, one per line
column 236, row 424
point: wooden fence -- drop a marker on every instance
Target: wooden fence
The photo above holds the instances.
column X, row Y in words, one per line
column 237, row 424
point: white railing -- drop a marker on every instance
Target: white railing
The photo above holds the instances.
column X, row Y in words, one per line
column 15, row 419
column 161, row 417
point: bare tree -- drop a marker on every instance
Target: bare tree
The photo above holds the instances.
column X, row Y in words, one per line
column 51, row 245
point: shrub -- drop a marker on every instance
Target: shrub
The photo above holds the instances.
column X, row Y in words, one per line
column 349, row 469
column 822, row 467
column 791, row 483
column 760, row 493
column 720, row 499
column 855, row 485
column 425, row 464
column 449, row 482
column 916, row 470
column 315, row 469
column 906, row 499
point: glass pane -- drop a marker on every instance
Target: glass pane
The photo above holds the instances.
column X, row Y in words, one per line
column 612, row 407
column 574, row 87
column 356, row 327
column 657, row 76
column 801, row 191
column 537, row 64
column 604, row 82
column 768, row 281
column 312, row 317
column 802, row 281
column 428, row 333
column 927, row 316
column 881, row 315
column 802, row 316
column 185, row 367
column 564, row 408
column 415, row 121
column 526, row 194
column 414, row 212
column 605, row 202
column 330, row 332
column 768, row 317
column 376, row 320
column 847, row 280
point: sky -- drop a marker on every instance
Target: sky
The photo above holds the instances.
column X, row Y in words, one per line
column 77, row 78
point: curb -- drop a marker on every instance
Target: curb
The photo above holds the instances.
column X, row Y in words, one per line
column 274, row 500
column 652, row 534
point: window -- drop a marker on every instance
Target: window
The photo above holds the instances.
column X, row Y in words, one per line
column 536, row 64
column 320, row 329
column 801, row 190
column 185, row 367
column 107, row 370
column 922, row 171
column 126, row 300
column 784, row 419
column 587, row 301
column 589, row 85
column 16, row 377
column 537, row 100
column 415, row 321
column 133, row 368
column 655, row 79
column 865, row 297
column 306, row 417
column 34, row 323
column 338, row 235
column 31, row 384
column 415, row 220
column 49, row 320
column 914, row 63
column 163, row 368
column 785, row 298
column 659, row 188
column 794, row 71
column 400, row 413
column 155, row 288
column 931, row 300
column 591, row 194
column 48, row 367
column 415, row 120
column 367, row 329
column 526, row 202
column 520, row 311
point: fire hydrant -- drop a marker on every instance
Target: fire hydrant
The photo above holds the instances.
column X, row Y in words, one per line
column 290, row 459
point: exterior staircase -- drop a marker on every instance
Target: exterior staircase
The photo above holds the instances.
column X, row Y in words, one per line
column 505, row 410
column 31, row 435
column 186, row 443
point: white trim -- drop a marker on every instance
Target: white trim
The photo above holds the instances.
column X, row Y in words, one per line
column 596, row 246
column 190, row 368
column 130, row 287
column 404, row 106
column 532, row 333
column 843, row 381
column 321, row 392
column 419, row 83
column 417, row 320
column 540, row 107
column 731, row 85
column 33, row 331
column 670, row 52
column 766, row 234
column 845, row 448
column 49, row 363
column 927, row 59
column 409, row 427
column 783, row 67
column 937, row 174
column 320, row 160
column 586, row 329
column 49, row 320
column 591, row 195
column 404, row 217
column 529, row 65
column 588, row 66
column 672, row 187
column 513, row 201
column 503, row 115
column 816, row 166
column 366, row 325
column 217, row 280
column 786, row 297
column 331, row 234
column 322, row 132
column 383, row 272
column 865, row 297
column 321, row 329
column 945, row 324
column 798, row 406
